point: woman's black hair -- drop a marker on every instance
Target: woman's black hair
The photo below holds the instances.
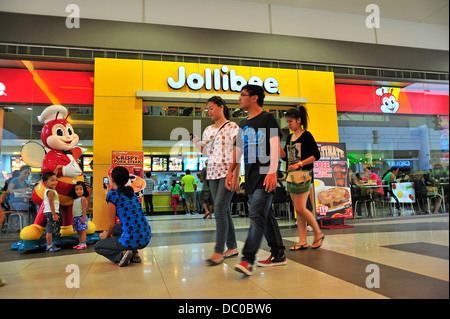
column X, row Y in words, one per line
column 120, row 175
column 74, row 195
column 299, row 113
column 219, row 101
column 393, row 168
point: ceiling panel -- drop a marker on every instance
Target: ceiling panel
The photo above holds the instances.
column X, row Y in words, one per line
column 430, row 11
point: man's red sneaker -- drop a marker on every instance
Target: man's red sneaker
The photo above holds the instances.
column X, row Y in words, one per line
column 244, row 267
column 271, row 261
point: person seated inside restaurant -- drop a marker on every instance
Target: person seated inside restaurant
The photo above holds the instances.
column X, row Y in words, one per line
column 18, row 187
column 425, row 194
column 373, row 178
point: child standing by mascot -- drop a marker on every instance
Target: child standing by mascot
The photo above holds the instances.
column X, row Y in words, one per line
column 59, row 136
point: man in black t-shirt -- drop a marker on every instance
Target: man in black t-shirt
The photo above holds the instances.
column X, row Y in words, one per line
column 258, row 141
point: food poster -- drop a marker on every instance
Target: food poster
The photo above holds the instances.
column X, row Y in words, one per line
column 405, row 192
column 331, row 182
column 133, row 161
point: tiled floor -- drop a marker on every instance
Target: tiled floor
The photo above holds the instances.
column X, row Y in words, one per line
column 410, row 255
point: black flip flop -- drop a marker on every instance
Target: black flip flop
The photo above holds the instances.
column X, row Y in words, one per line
column 300, row 247
column 321, row 238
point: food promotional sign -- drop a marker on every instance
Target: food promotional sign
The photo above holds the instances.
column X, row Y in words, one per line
column 331, row 182
column 133, row 161
column 404, row 192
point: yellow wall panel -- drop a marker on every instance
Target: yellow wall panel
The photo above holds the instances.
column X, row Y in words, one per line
column 118, row 126
column 323, row 122
column 317, row 86
column 117, row 77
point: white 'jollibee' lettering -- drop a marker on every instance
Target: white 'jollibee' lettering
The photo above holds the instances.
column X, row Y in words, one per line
column 222, row 78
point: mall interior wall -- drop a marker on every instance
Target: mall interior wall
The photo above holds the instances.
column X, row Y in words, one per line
column 119, row 35
column 411, row 23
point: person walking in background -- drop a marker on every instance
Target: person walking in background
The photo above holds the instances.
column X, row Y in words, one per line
column 259, row 141
column 218, row 139
column 148, row 193
column 189, row 186
column 300, row 152
column 206, row 199
column 175, row 195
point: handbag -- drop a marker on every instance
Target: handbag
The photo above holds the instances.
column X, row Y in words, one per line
column 298, row 181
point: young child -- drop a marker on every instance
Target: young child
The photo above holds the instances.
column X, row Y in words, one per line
column 51, row 209
column 79, row 208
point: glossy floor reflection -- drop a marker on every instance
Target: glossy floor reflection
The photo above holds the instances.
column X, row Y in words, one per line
column 411, row 255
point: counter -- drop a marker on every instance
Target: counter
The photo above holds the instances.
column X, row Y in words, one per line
column 161, row 202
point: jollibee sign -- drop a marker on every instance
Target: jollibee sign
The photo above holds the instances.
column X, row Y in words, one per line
column 222, row 78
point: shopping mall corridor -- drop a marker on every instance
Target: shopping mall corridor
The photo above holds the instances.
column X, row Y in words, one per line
column 398, row 258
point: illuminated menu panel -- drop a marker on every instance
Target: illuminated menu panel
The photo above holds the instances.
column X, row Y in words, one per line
column 159, row 163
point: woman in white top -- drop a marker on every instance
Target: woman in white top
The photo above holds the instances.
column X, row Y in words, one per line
column 218, row 140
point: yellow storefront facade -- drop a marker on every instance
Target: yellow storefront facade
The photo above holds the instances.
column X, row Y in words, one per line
column 121, row 86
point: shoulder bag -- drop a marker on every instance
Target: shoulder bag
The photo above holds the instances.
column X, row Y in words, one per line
column 298, row 181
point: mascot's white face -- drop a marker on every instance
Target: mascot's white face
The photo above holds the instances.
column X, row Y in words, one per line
column 62, row 136
column 389, row 103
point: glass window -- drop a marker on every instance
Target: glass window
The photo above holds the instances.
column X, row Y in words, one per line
column 28, row 87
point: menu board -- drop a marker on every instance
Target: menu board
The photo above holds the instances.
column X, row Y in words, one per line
column 159, row 163
column 331, row 184
column 17, row 163
column 191, row 163
column 87, row 160
column 175, row 164
column 147, row 163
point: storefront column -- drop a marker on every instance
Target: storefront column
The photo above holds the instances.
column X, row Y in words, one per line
column 117, row 122
column 318, row 87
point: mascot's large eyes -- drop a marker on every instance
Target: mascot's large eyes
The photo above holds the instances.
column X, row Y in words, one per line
column 393, row 100
column 69, row 130
column 59, row 132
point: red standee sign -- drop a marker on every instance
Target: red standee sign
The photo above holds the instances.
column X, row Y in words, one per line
column 383, row 99
column 46, row 86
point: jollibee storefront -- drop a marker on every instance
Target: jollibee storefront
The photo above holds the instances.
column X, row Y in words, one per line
column 123, row 88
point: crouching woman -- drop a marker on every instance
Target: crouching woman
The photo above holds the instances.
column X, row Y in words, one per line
column 136, row 232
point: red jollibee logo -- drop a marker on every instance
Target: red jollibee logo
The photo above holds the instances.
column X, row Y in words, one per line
column 2, row 89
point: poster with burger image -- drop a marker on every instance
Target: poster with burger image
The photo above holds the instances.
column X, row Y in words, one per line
column 331, row 182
